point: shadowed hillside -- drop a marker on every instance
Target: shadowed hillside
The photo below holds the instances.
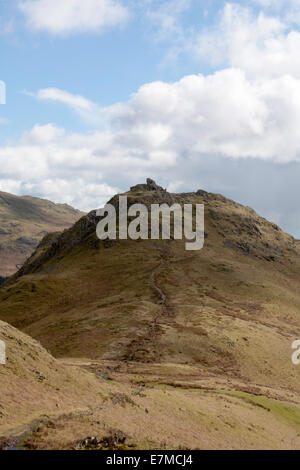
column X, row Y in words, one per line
column 24, row 221
column 34, row 385
column 214, row 326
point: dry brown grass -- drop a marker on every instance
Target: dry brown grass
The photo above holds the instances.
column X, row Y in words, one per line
column 226, row 330
column 24, row 221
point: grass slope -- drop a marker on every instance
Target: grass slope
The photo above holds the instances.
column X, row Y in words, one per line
column 217, row 343
column 24, row 221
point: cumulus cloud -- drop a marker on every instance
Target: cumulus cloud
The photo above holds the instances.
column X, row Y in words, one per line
column 260, row 45
column 223, row 113
column 61, row 190
column 162, row 129
column 42, row 134
column 60, row 17
column 234, row 130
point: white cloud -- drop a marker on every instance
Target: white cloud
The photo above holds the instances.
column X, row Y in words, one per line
column 223, row 113
column 74, row 101
column 62, row 191
column 88, row 110
column 174, row 186
column 42, row 134
column 263, row 46
column 165, row 129
column 60, row 17
column 262, row 41
column 247, row 112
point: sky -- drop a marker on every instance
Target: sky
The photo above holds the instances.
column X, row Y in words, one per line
column 195, row 94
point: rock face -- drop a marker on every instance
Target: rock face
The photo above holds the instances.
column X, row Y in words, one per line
column 58, row 244
column 156, row 194
column 149, row 186
column 24, row 221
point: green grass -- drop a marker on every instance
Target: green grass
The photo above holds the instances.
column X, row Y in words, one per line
column 280, row 409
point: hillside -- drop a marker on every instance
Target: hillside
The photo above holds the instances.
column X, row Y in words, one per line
column 51, row 404
column 214, row 327
column 24, row 221
column 34, row 384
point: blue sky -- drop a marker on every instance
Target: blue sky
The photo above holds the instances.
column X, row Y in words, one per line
column 105, row 67
column 104, row 93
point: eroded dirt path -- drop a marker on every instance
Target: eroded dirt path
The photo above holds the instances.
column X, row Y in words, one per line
column 143, row 348
column 154, row 284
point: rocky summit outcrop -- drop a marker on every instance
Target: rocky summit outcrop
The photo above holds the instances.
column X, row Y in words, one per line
column 24, row 221
column 149, row 186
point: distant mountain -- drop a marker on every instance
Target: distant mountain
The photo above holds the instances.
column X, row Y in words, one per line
column 24, row 221
column 198, row 341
